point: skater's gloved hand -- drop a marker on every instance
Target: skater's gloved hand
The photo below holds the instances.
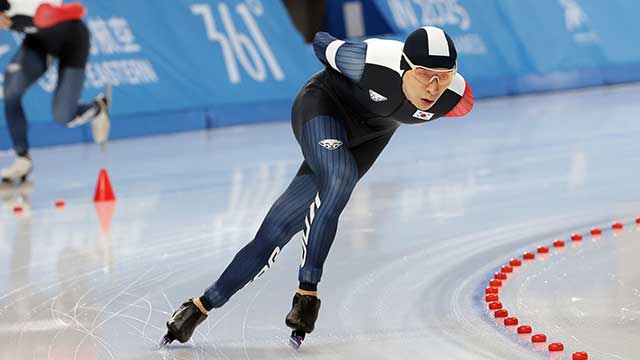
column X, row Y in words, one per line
column 5, row 21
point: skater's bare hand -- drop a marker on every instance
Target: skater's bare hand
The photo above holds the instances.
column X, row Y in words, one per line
column 5, row 21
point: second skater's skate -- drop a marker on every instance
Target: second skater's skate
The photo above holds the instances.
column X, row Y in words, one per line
column 18, row 171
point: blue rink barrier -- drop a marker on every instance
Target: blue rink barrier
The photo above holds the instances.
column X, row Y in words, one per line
column 178, row 65
column 509, row 47
column 193, row 64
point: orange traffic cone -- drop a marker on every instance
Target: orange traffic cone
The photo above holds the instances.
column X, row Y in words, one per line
column 104, row 191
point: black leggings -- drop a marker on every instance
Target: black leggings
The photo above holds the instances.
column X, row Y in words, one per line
column 312, row 204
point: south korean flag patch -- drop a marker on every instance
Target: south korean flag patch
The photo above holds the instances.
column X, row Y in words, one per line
column 423, row 115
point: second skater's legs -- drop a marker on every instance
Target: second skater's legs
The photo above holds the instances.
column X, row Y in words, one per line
column 70, row 113
column 26, row 67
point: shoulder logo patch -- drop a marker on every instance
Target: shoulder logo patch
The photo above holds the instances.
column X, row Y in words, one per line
column 376, row 97
column 423, row 115
column 330, row 144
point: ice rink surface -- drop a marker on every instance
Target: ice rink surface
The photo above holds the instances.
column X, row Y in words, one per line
column 444, row 207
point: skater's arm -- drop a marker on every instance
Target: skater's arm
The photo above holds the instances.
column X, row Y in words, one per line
column 461, row 87
column 346, row 57
column 5, row 21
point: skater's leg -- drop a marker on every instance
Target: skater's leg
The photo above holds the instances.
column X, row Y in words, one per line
column 285, row 219
column 66, row 109
column 25, row 68
column 325, row 146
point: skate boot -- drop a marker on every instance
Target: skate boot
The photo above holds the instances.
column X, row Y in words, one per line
column 101, row 123
column 18, row 171
column 302, row 318
column 183, row 323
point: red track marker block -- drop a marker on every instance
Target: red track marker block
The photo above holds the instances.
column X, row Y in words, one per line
column 539, row 338
column 491, row 298
column 525, row 329
column 506, row 269
column 500, row 314
column 491, row 290
column 580, row 356
column 556, row 347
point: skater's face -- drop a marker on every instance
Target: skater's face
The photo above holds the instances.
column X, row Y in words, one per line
column 424, row 86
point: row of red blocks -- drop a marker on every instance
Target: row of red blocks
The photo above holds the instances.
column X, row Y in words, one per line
column 526, row 330
column 19, row 209
column 492, row 292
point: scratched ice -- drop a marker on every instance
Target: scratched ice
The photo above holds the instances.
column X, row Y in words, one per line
column 446, row 204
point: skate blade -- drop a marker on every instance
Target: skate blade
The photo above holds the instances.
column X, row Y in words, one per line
column 14, row 182
column 295, row 341
column 166, row 340
column 294, row 345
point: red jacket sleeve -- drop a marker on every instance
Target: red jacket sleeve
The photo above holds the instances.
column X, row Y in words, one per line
column 465, row 104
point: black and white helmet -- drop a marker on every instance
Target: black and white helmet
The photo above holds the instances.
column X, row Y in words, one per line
column 429, row 47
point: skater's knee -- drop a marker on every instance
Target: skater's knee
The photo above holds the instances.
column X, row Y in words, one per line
column 342, row 184
column 272, row 232
column 338, row 190
column 62, row 113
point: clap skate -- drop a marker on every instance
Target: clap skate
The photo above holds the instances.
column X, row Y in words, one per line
column 183, row 323
column 302, row 318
